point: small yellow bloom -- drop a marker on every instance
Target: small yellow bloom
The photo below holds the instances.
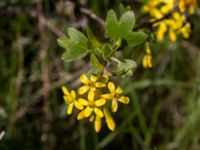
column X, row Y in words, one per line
column 70, row 99
column 92, row 106
column 89, row 84
column 115, row 95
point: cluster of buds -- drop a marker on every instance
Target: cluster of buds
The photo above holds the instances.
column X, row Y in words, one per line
column 147, row 59
column 94, row 99
column 176, row 24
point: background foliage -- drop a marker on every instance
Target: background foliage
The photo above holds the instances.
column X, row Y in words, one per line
column 164, row 109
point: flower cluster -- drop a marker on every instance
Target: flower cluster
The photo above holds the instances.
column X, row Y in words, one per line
column 187, row 5
column 93, row 100
column 176, row 24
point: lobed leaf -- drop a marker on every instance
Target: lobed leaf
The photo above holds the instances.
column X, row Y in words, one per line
column 76, row 45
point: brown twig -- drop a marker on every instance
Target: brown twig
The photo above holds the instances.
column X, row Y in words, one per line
column 93, row 16
column 86, row 12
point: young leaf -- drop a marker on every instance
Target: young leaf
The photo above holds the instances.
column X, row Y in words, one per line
column 112, row 26
column 127, row 22
column 95, row 43
column 76, row 45
column 125, row 67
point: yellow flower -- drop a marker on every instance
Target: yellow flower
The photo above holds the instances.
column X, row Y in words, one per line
column 92, row 105
column 115, row 95
column 70, row 99
column 90, row 84
column 92, row 109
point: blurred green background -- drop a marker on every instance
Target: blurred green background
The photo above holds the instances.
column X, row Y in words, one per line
column 164, row 112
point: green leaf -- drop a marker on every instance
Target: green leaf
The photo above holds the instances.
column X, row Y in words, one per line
column 135, row 38
column 117, row 30
column 95, row 43
column 127, row 22
column 123, row 9
column 112, row 25
column 62, row 41
column 76, row 45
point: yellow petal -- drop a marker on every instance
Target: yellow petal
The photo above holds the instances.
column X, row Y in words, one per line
column 65, row 90
column 99, row 84
column 144, row 62
column 78, row 105
column 91, row 118
column 124, row 99
column 161, row 31
column 67, row 99
column 82, row 90
column 109, row 120
column 93, row 78
column 80, row 115
column 111, row 87
column 114, row 105
column 172, row 36
column 100, row 102
column 107, row 96
column 73, row 94
column 98, row 112
column 70, row 108
column 119, row 90
column 110, row 124
column 88, row 111
column 83, row 101
column 91, row 96
column 97, row 124
column 84, row 79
